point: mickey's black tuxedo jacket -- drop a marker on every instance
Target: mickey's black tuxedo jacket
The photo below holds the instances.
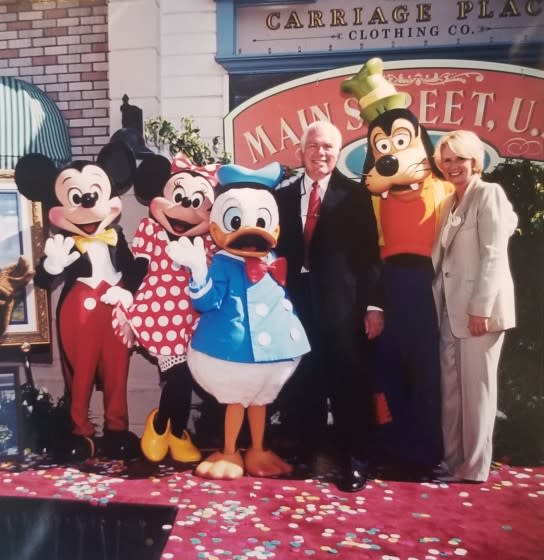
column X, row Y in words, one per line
column 121, row 258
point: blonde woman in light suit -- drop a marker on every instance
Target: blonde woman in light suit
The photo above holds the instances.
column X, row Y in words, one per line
column 474, row 295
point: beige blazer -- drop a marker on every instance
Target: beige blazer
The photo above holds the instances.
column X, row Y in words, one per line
column 470, row 258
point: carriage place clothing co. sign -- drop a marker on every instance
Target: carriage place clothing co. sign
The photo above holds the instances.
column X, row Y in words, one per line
column 503, row 104
column 333, row 25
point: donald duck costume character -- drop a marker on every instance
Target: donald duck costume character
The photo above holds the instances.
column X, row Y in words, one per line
column 407, row 188
column 249, row 340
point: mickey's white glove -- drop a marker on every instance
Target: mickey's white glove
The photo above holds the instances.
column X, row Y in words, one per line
column 122, row 328
column 57, row 254
column 115, row 295
column 191, row 255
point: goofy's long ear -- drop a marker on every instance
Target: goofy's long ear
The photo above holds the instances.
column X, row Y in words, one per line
column 429, row 150
column 369, row 162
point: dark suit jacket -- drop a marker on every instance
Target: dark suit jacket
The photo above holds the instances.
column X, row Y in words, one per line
column 344, row 253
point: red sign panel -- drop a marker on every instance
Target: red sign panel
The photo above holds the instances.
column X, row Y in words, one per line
column 501, row 103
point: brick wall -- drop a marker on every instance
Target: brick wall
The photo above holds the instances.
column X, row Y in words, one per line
column 62, row 47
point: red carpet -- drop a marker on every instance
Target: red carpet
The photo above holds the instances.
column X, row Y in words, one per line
column 502, row 519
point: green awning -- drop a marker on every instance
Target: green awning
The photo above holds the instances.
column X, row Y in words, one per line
column 30, row 122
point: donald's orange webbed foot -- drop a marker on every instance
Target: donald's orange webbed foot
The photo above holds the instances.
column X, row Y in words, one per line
column 259, row 462
column 221, row 466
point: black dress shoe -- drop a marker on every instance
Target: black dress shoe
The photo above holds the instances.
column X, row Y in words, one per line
column 354, row 477
column 121, row 444
column 76, row 449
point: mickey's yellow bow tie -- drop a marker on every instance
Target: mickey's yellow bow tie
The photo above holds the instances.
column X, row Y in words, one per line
column 108, row 236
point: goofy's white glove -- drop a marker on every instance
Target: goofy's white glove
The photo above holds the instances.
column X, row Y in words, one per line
column 190, row 255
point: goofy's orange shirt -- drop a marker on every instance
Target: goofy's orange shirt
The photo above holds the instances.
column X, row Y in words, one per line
column 408, row 223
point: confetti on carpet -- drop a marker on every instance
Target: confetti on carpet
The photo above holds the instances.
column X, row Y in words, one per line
column 252, row 518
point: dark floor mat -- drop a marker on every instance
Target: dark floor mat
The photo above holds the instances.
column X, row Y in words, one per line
column 48, row 529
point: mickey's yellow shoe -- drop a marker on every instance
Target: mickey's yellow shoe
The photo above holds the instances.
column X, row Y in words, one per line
column 154, row 446
column 183, row 449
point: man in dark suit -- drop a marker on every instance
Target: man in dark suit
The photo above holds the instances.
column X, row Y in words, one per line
column 332, row 285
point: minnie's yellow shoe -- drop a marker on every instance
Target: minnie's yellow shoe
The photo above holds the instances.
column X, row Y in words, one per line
column 183, row 449
column 154, row 446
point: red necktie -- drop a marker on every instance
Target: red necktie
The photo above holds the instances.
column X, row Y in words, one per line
column 256, row 268
column 314, row 205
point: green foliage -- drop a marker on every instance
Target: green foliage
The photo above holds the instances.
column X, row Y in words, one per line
column 523, row 182
column 518, row 435
column 186, row 139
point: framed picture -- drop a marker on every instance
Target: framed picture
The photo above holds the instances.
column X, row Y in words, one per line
column 21, row 233
column 11, row 436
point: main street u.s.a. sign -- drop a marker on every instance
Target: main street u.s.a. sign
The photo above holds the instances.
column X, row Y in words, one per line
column 503, row 104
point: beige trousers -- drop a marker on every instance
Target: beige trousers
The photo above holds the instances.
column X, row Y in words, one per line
column 469, row 400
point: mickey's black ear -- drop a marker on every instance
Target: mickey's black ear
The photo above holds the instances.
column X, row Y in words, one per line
column 35, row 176
column 151, row 176
column 119, row 162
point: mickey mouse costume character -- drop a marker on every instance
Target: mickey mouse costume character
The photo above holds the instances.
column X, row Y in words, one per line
column 399, row 170
column 161, row 319
column 249, row 340
column 92, row 256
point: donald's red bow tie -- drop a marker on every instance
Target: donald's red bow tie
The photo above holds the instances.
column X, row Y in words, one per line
column 256, row 268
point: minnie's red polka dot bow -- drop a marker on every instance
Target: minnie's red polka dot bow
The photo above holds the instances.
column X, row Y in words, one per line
column 182, row 163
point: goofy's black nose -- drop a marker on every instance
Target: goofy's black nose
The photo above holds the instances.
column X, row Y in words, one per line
column 387, row 166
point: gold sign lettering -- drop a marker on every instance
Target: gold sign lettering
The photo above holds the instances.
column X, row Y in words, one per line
column 423, row 13
column 377, row 17
column 293, row 22
column 465, row 7
column 510, row 9
column 271, row 21
column 316, row 19
column 400, row 14
column 484, row 13
column 533, row 7
column 357, row 13
column 338, row 17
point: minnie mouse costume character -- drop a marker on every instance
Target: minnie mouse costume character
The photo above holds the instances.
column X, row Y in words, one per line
column 161, row 319
column 248, row 341
column 399, row 170
column 92, row 256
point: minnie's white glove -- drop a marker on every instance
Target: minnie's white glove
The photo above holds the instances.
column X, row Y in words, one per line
column 115, row 295
column 191, row 255
column 57, row 254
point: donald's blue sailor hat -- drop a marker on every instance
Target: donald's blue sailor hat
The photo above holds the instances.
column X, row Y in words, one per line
column 232, row 175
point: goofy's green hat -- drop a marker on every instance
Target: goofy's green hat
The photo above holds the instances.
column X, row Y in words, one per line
column 375, row 94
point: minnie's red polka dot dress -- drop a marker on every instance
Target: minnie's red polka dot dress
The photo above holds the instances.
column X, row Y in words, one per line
column 162, row 316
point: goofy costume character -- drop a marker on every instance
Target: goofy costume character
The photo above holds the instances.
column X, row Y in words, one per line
column 91, row 255
column 400, row 172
